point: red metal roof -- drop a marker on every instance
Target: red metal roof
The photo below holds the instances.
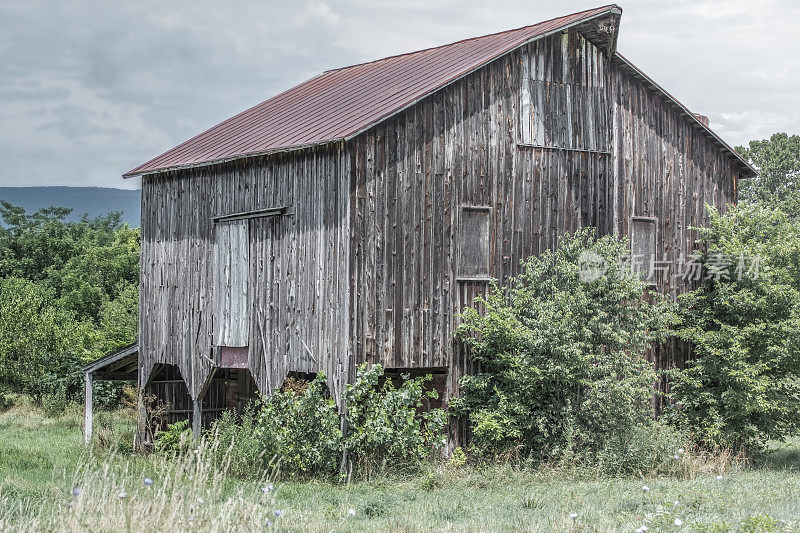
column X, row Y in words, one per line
column 341, row 103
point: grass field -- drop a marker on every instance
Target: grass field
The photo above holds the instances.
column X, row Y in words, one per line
column 42, row 459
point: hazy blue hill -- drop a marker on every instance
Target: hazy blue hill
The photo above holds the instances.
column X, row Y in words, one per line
column 92, row 200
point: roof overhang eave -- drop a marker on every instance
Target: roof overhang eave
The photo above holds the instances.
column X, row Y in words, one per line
column 225, row 160
column 112, row 358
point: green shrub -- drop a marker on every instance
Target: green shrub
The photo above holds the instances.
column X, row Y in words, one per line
column 646, row 449
column 55, row 402
column 6, row 400
column 385, row 425
column 562, row 366
column 301, row 430
column 175, row 439
column 741, row 388
column 458, row 458
column 295, row 432
column 237, row 445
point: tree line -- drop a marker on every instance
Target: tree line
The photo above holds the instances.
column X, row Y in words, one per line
column 68, row 295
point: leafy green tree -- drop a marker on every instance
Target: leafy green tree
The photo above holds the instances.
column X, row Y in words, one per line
column 81, row 278
column 742, row 386
column 40, row 344
column 561, row 355
column 777, row 160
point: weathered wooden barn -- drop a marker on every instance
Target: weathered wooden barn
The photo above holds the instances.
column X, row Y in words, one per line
column 351, row 218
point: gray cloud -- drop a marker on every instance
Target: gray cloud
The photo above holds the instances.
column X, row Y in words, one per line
column 90, row 89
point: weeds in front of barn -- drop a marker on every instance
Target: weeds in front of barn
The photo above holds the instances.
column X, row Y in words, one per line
column 43, row 461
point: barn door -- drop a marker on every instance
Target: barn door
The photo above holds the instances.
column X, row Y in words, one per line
column 231, row 284
column 277, row 259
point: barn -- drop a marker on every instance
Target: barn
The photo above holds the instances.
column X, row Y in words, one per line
column 351, row 218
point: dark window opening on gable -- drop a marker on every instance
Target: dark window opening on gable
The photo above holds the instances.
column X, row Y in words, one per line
column 473, row 243
column 643, row 247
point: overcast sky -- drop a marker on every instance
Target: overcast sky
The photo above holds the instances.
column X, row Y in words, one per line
column 90, row 89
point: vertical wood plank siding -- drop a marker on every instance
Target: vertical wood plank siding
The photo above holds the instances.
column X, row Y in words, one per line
column 299, row 295
column 552, row 137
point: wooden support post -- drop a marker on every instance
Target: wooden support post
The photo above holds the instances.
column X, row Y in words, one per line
column 140, row 439
column 344, row 463
column 88, row 416
column 197, row 418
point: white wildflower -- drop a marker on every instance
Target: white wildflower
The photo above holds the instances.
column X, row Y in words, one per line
column 678, row 522
column 719, row 477
column 573, row 516
column 645, row 488
column 122, row 495
column 351, row 512
column 680, row 451
column 277, row 512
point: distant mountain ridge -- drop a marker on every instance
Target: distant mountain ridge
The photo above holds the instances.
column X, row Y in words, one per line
column 94, row 201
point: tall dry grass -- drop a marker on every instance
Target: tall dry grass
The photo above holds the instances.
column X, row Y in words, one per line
column 188, row 492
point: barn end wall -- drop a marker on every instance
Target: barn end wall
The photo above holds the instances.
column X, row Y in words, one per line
column 298, row 265
column 550, row 138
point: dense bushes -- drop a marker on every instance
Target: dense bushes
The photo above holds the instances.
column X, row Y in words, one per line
column 562, row 367
column 40, row 342
column 297, row 431
column 301, row 429
column 742, row 388
column 385, row 428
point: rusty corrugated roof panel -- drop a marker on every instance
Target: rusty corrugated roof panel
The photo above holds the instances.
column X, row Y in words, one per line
column 341, row 103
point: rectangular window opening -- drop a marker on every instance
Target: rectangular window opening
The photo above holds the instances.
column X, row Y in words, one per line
column 643, row 247
column 473, row 243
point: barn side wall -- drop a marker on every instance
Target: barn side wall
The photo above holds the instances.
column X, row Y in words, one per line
column 298, row 290
column 552, row 137
column 665, row 169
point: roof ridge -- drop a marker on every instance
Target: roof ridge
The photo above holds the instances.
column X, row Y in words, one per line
column 340, row 103
column 467, row 39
